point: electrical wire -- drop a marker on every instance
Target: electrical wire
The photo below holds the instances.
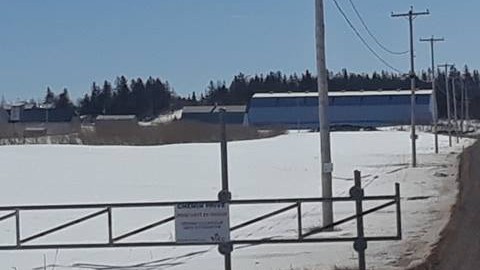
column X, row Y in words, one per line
column 370, row 33
column 365, row 43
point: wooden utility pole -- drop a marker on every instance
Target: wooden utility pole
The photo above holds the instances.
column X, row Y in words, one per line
column 326, row 165
column 432, row 41
column 467, row 105
column 455, row 113
column 447, row 92
column 462, row 105
column 413, row 136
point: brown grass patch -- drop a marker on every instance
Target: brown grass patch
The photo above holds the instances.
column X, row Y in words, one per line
column 175, row 132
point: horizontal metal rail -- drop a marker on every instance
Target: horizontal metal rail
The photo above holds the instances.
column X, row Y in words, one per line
column 171, row 243
column 172, row 203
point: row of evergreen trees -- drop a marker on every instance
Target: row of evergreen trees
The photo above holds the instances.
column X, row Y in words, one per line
column 143, row 99
column 149, row 98
column 243, row 87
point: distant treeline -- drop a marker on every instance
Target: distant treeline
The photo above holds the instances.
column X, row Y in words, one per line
column 144, row 99
column 149, row 98
column 243, row 87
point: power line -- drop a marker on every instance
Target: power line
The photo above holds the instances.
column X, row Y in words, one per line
column 344, row 15
column 370, row 33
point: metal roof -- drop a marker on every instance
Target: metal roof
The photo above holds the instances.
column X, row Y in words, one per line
column 115, row 117
column 344, row 93
column 24, row 105
column 35, row 129
column 212, row 109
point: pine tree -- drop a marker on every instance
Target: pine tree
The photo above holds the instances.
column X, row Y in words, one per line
column 107, row 98
column 239, row 91
column 121, row 101
column 63, row 100
column 95, row 103
column 85, row 105
column 308, row 83
column 194, row 97
column 49, row 97
column 139, row 101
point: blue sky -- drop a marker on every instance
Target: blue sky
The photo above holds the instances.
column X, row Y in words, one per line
column 61, row 43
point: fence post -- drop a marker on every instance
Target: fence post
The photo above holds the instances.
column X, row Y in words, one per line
column 224, row 195
column 360, row 245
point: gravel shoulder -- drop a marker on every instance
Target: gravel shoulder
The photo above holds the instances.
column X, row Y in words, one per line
column 459, row 246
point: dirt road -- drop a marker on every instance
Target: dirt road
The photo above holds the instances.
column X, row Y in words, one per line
column 459, row 247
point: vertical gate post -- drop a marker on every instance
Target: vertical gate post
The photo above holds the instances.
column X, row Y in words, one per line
column 360, row 245
column 110, row 225
column 224, row 195
column 399, row 211
column 17, row 227
column 299, row 220
column 228, row 261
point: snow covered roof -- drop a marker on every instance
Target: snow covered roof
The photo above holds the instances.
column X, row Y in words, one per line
column 115, row 117
column 29, row 106
column 23, row 105
column 46, row 105
column 212, row 109
column 344, row 93
column 35, row 129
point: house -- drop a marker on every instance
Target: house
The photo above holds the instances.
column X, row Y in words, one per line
column 31, row 113
column 346, row 108
column 29, row 119
column 234, row 114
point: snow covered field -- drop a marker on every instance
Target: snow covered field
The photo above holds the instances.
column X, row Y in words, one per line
column 285, row 166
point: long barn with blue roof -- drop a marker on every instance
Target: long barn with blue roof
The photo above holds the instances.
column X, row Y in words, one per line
column 346, row 108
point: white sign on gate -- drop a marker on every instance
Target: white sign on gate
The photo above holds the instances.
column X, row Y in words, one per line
column 202, row 222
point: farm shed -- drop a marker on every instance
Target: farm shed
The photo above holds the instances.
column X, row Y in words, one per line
column 113, row 123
